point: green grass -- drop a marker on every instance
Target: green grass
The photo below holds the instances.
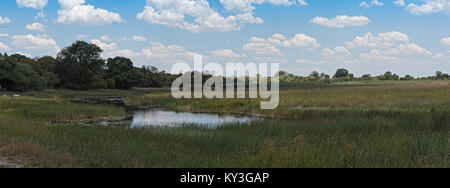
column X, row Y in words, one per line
column 401, row 125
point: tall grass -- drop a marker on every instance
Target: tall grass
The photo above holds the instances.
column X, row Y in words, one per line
column 342, row 126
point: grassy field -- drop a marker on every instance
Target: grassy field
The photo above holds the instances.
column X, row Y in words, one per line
column 345, row 125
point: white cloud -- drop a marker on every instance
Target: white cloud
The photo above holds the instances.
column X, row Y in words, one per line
column 342, row 21
column 157, row 52
column 301, row 41
column 4, row 35
column 4, row 47
column 4, row 20
column 407, row 50
column 269, row 46
column 139, row 38
column 76, row 12
column 445, row 41
column 106, row 38
column 364, row 4
column 40, row 15
column 173, row 13
column 32, row 42
column 225, row 53
column 162, row 53
column 377, row 3
column 372, row 3
column 36, row 27
column 36, row 4
column 400, row 2
column 339, row 52
column 382, row 40
column 429, row 7
column 82, row 36
column 377, row 54
column 261, row 46
column 112, row 49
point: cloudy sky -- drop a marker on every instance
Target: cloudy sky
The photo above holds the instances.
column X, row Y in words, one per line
column 371, row 36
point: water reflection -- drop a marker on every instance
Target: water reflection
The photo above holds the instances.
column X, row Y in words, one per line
column 156, row 117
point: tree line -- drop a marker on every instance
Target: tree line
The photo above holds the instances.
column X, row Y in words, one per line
column 81, row 67
column 78, row 67
column 343, row 75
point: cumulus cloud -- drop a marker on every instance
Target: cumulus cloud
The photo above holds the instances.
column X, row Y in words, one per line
column 36, row 27
column 112, row 49
column 139, row 38
column 157, row 52
column 400, row 2
column 225, row 53
column 270, row 46
column 162, row 53
column 4, row 20
column 4, row 47
column 36, row 4
column 445, row 41
column 32, row 42
column 341, row 21
column 173, row 13
column 395, row 54
column 82, row 36
column 382, row 40
column 429, row 7
column 339, row 52
column 77, row 12
column 4, row 35
column 372, row 3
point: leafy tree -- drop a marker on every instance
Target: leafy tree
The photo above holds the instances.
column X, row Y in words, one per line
column 367, row 77
column 18, row 76
column 315, row 75
column 123, row 73
column 80, row 66
column 45, row 67
column 341, row 73
column 439, row 75
column 388, row 75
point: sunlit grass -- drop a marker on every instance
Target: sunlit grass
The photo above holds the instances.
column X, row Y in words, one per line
column 404, row 125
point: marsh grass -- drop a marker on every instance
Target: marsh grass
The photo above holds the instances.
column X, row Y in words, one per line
column 351, row 126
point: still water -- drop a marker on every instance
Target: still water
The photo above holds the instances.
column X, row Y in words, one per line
column 158, row 118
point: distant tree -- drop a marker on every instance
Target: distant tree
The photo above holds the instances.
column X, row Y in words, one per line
column 341, row 73
column 118, row 65
column 123, row 73
column 18, row 76
column 395, row 77
column 80, row 66
column 388, row 75
column 367, row 77
column 315, row 75
column 351, row 77
column 439, row 75
column 408, row 77
column 45, row 67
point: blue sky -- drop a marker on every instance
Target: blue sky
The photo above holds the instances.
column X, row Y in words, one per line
column 371, row 36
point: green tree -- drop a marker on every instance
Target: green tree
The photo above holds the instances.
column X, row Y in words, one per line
column 341, row 73
column 18, row 76
column 45, row 67
column 80, row 66
column 124, row 74
column 388, row 75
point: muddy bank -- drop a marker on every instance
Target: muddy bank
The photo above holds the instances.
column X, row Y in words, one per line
column 101, row 100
